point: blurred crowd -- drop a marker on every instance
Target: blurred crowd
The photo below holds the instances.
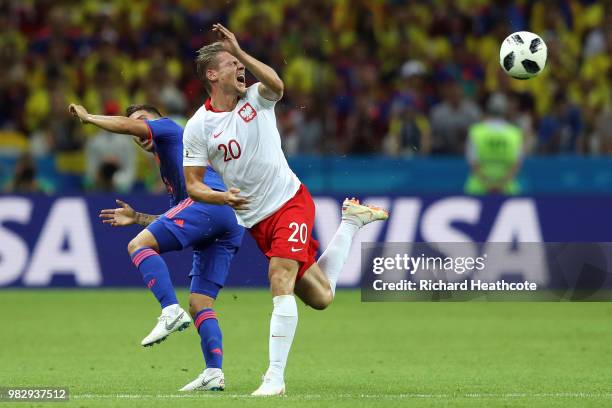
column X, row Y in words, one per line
column 361, row 76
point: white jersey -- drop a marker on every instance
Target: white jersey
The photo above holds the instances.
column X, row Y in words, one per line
column 244, row 147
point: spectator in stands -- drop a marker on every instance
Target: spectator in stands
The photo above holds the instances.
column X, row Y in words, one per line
column 560, row 129
column 412, row 86
column 310, row 127
column 363, row 127
column 521, row 114
column 288, row 123
column 602, row 138
column 347, row 59
column 111, row 160
column 409, row 131
column 494, row 152
column 58, row 131
column 451, row 119
column 105, row 176
column 25, row 178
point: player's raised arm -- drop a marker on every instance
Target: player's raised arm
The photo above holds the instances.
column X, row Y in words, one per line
column 115, row 124
column 271, row 86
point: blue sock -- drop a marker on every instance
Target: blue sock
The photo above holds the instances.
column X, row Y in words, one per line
column 155, row 273
column 210, row 334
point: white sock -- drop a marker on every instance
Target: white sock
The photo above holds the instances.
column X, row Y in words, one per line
column 334, row 257
column 282, row 329
column 213, row 371
column 171, row 310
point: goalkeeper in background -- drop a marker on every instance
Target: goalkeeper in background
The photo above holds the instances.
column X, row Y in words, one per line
column 494, row 152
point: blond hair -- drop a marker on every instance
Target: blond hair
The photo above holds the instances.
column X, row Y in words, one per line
column 207, row 58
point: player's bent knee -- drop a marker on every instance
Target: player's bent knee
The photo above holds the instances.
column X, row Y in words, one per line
column 134, row 245
column 314, row 289
column 137, row 243
column 198, row 302
column 143, row 240
column 322, row 301
column 317, row 305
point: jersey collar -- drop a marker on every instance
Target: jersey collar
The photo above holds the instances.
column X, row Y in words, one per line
column 209, row 107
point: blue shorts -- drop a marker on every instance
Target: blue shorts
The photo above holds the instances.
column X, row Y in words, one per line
column 213, row 233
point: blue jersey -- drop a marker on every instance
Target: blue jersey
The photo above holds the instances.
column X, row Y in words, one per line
column 167, row 138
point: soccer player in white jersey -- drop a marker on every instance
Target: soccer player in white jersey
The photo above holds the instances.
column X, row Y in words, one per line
column 235, row 130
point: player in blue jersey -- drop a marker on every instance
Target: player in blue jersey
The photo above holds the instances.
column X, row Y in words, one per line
column 212, row 231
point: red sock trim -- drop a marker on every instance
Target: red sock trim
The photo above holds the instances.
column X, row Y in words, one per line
column 209, row 314
column 142, row 255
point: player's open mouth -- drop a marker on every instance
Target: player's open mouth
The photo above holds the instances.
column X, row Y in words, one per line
column 240, row 78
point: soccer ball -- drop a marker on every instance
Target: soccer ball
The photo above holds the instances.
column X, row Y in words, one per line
column 523, row 55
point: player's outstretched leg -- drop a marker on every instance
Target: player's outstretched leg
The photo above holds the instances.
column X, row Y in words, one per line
column 207, row 325
column 318, row 285
column 283, row 323
column 354, row 216
column 144, row 251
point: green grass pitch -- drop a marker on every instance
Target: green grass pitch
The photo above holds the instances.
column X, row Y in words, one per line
column 353, row 354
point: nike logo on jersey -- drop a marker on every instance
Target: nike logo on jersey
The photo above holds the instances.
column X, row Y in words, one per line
column 296, row 249
column 174, row 322
column 217, row 135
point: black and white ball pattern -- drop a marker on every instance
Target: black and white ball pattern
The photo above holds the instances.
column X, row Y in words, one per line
column 523, row 55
